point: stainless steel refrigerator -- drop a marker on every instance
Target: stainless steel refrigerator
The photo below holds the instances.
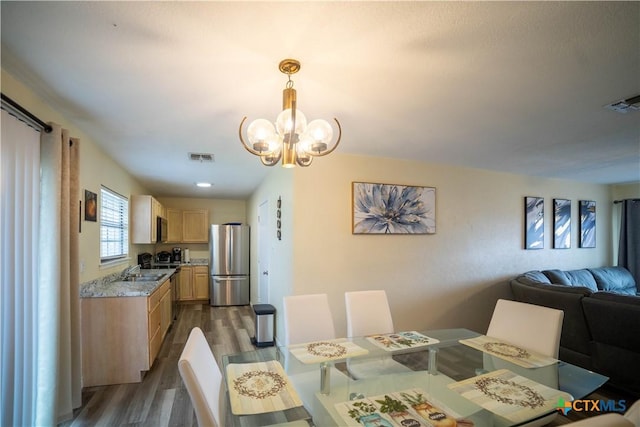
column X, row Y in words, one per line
column 229, row 264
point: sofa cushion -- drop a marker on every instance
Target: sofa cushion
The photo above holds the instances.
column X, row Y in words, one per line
column 532, row 277
column 572, row 278
column 557, row 276
column 614, row 279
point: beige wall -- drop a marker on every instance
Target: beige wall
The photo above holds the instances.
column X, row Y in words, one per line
column 450, row 279
column 278, row 184
column 96, row 169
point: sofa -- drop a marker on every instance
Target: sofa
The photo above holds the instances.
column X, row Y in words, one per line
column 601, row 327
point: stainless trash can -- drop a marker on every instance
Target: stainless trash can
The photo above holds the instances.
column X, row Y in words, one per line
column 265, row 319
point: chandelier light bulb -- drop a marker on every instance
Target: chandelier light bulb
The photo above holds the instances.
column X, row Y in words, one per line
column 318, row 134
column 284, row 122
column 260, row 133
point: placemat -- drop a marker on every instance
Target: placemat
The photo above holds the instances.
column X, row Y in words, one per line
column 321, row 351
column 509, row 352
column 256, row 388
column 413, row 407
column 401, row 340
column 511, row 396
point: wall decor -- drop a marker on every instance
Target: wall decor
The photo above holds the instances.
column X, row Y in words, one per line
column 533, row 223
column 90, row 206
column 278, row 222
column 587, row 224
column 393, row 209
column 561, row 224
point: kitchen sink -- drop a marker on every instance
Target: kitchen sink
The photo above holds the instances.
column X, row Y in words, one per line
column 144, row 277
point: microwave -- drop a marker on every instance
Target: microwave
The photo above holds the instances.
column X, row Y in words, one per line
column 161, row 236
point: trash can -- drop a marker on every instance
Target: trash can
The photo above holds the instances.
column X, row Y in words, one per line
column 265, row 321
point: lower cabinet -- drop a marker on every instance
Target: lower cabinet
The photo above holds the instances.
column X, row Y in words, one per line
column 121, row 336
column 194, row 282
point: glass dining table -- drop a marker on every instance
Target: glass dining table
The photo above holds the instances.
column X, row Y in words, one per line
column 442, row 378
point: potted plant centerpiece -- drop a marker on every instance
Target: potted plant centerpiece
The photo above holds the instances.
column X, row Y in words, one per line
column 398, row 411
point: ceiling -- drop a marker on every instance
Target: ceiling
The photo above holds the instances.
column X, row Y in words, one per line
column 508, row 86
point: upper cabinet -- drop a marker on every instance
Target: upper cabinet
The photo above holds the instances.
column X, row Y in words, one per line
column 188, row 226
column 195, row 226
column 174, row 225
column 144, row 213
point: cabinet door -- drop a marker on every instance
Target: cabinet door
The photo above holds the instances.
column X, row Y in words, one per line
column 201, row 282
column 166, row 315
column 186, row 284
column 195, row 226
column 174, row 226
column 155, row 334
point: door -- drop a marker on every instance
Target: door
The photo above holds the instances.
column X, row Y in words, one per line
column 263, row 252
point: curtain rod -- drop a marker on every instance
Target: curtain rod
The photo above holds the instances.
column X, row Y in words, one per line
column 20, row 109
column 631, row 200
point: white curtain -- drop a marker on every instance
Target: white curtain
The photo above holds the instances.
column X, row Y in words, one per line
column 41, row 366
column 19, row 212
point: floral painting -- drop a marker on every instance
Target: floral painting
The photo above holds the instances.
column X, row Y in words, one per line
column 587, row 224
column 534, row 223
column 561, row 224
column 393, row 209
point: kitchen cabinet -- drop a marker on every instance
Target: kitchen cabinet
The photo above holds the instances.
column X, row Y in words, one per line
column 194, row 282
column 186, row 287
column 174, row 225
column 144, row 213
column 201, row 281
column 121, row 336
column 195, row 226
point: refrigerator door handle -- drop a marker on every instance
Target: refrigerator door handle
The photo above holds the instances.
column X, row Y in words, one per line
column 226, row 279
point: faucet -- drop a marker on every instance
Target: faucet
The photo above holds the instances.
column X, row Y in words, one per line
column 130, row 271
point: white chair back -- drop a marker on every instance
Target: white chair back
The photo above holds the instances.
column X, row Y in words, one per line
column 203, row 379
column 529, row 326
column 307, row 318
column 368, row 313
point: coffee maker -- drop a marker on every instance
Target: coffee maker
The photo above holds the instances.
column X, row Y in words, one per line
column 176, row 254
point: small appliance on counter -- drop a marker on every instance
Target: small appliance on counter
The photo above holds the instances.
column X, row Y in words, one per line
column 177, row 255
column 163, row 257
column 187, row 256
column 145, row 259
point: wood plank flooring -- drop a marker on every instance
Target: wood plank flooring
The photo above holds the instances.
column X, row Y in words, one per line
column 161, row 399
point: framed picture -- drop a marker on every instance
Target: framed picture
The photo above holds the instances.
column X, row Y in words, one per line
column 561, row 224
column 90, row 206
column 393, row 209
column 587, row 224
column 533, row 223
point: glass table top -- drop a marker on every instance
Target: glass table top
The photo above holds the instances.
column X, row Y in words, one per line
column 440, row 370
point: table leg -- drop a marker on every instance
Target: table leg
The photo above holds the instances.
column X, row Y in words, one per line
column 325, row 378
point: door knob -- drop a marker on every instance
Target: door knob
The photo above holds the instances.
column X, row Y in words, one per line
column 265, row 273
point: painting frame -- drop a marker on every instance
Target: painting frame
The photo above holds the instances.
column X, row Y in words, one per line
column 392, row 209
column 533, row 222
column 90, row 206
column 561, row 224
column 587, row 211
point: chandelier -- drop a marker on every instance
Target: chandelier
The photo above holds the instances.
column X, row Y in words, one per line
column 291, row 139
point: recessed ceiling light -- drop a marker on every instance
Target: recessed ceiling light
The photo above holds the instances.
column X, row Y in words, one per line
column 203, row 184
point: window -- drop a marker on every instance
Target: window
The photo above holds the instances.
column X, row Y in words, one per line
column 114, row 226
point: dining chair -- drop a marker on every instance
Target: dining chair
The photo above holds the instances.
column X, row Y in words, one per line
column 368, row 313
column 307, row 318
column 532, row 327
column 529, row 326
column 203, row 379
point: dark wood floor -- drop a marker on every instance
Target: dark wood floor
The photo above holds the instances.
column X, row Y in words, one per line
column 161, row 399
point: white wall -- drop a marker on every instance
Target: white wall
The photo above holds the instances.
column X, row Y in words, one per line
column 450, row 279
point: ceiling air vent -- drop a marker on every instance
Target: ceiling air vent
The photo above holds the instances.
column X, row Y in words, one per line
column 626, row 105
column 201, row 157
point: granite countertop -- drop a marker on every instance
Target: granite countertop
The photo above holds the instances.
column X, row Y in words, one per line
column 111, row 286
